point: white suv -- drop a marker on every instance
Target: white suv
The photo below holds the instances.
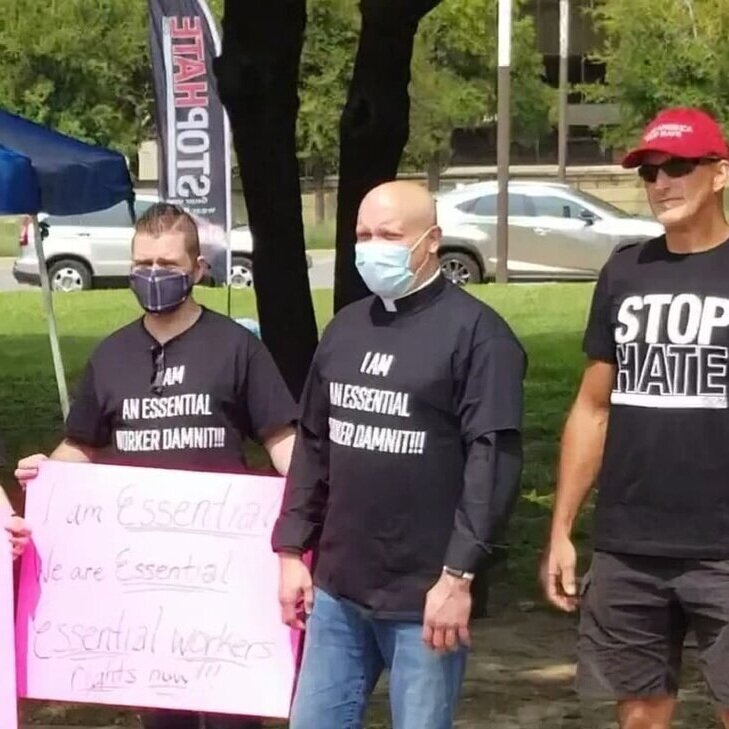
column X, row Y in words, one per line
column 93, row 250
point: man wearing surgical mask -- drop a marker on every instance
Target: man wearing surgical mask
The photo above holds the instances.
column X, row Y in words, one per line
column 183, row 387
column 406, row 467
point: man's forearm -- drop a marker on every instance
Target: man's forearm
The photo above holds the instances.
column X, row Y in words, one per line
column 280, row 447
column 74, row 452
column 583, row 443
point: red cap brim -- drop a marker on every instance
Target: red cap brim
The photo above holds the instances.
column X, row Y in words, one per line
column 634, row 158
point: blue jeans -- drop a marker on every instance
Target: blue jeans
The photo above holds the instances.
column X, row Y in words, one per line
column 345, row 652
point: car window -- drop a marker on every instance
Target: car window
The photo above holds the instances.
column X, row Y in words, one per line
column 114, row 217
column 557, row 207
column 117, row 216
column 468, row 205
column 603, row 205
column 61, row 220
column 486, row 205
column 141, row 207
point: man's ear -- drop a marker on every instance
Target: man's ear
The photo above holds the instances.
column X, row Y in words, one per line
column 434, row 238
column 721, row 178
column 201, row 268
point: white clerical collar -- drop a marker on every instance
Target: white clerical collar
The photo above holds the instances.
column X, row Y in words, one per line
column 389, row 304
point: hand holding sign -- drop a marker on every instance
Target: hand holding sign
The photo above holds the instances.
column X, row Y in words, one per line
column 154, row 588
column 8, row 701
column 27, row 468
column 19, row 534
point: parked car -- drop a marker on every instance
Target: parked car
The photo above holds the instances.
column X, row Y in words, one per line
column 93, row 250
column 555, row 231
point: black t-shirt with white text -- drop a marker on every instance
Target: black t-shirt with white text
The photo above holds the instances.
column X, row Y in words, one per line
column 663, row 320
column 216, row 386
column 393, row 403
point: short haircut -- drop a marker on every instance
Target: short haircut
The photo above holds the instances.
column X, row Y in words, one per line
column 164, row 218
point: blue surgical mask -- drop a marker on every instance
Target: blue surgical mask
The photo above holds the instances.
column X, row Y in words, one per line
column 385, row 266
column 160, row 290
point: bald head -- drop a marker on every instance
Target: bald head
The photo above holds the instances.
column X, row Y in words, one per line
column 405, row 203
column 402, row 214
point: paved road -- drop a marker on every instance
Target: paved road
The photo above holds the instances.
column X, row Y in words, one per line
column 321, row 273
column 7, row 282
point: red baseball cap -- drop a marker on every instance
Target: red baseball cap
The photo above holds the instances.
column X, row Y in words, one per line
column 681, row 132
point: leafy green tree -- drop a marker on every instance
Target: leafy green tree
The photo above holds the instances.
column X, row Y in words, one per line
column 326, row 68
column 80, row 66
column 454, row 77
column 672, row 56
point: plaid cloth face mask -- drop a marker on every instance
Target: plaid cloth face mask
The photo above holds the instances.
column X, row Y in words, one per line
column 160, row 290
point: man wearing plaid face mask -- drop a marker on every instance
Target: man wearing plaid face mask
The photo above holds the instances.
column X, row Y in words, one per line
column 207, row 382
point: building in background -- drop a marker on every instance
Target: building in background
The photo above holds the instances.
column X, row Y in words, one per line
column 478, row 146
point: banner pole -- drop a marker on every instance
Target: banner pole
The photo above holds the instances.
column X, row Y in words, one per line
column 47, row 297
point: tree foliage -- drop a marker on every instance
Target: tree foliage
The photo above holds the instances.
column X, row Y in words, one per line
column 656, row 58
column 82, row 66
column 454, row 76
column 326, row 68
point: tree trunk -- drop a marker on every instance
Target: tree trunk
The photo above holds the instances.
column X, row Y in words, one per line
column 320, row 211
column 257, row 77
column 434, row 173
column 374, row 126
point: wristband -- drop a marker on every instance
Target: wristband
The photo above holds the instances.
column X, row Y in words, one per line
column 460, row 574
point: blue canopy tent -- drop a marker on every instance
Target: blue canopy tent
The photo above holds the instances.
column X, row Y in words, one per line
column 18, row 184
column 43, row 170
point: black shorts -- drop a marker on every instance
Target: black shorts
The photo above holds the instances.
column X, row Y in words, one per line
column 634, row 614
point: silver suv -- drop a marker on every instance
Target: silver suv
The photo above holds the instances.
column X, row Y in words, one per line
column 555, row 231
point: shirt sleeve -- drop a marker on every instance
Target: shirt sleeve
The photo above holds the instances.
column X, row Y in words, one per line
column 490, row 408
column 491, row 389
column 265, row 398
column 307, row 487
column 599, row 342
column 87, row 423
column 491, row 488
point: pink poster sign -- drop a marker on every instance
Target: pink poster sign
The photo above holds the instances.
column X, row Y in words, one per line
column 8, row 693
column 153, row 588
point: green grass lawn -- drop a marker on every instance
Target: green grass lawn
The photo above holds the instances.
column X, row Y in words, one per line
column 548, row 318
column 320, row 235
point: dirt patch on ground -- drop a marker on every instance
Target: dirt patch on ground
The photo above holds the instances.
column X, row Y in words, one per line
column 519, row 677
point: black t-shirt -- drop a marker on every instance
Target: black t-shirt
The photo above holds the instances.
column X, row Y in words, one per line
column 189, row 404
column 663, row 320
column 393, row 401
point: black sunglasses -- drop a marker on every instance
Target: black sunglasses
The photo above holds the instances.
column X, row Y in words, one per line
column 674, row 167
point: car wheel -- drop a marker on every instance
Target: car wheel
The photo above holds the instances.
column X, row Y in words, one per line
column 69, row 275
column 241, row 273
column 460, row 268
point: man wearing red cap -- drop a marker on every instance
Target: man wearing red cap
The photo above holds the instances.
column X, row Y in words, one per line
column 650, row 424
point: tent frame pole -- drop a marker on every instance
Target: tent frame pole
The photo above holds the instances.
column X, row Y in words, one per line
column 51, row 319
